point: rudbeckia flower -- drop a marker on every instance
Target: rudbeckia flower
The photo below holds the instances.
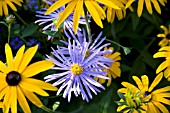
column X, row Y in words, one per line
column 149, row 4
column 166, row 36
column 16, row 82
column 114, row 69
column 77, row 6
column 76, row 72
column 111, row 13
column 4, row 3
column 153, row 99
column 164, row 52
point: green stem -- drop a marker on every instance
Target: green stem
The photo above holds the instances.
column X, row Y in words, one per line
column 88, row 28
column 116, row 43
column 20, row 18
column 48, row 110
column 9, row 32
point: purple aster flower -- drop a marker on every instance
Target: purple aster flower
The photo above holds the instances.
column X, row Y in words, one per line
column 31, row 4
column 16, row 43
column 51, row 20
column 78, row 71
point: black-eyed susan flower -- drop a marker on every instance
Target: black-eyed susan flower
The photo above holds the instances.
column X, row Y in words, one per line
column 153, row 99
column 165, row 36
column 17, row 83
column 111, row 13
column 148, row 4
column 77, row 6
column 4, row 3
column 165, row 65
column 114, row 69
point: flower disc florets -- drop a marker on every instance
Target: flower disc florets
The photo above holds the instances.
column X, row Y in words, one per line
column 13, row 78
column 76, row 69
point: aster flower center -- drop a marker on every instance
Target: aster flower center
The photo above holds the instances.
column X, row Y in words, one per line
column 13, row 78
column 168, row 36
column 76, row 69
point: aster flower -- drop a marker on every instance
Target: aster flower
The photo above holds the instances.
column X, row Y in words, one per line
column 120, row 13
column 52, row 19
column 153, row 99
column 16, row 82
column 114, row 69
column 148, row 5
column 164, row 52
column 77, row 6
column 78, row 71
column 165, row 36
column 4, row 3
column 16, row 43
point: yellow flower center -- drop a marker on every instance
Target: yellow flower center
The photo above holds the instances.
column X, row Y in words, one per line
column 76, row 69
column 87, row 54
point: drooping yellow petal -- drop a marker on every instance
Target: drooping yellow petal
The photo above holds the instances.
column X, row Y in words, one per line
column 138, row 82
column 13, row 99
column 129, row 3
column 161, row 54
column 18, row 58
column 165, row 29
column 109, row 13
column 22, row 100
column 37, row 67
column 148, row 6
column 3, row 90
column 109, row 3
column 7, row 101
column 163, row 42
column 140, row 7
column 122, row 90
column 161, row 99
column 167, row 72
column 77, row 14
column 33, row 98
column 161, row 35
column 152, row 107
column 5, row 8
column 156, row 81
column 1, row 11
column 160, row 106
column 145, row 82
column 56, row 5
column 162, row 66
column 16, row 2
column 67, row 11
column 92, row 10
column 161, row 90
column 11, row 5
column 9, row 57
column 130, row 86
column 32, row 88
column 40, row 84
column 156, row 5
column 28, row 55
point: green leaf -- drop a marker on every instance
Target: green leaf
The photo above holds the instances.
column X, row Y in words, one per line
column 2, row 22
column 29, row 30
column 121, row 96
column 135, row 20
column 52, row 33
column 56, row 105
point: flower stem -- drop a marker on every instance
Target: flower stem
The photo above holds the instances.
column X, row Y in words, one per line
column 9, row 32
column 20, row 18
column 47, row 109
column 88, row 28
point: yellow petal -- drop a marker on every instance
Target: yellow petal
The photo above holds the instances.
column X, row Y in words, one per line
column 94, row 13
column 138, row 82
column 11, row 5
column 3, row 67
column 148, row 6
column 13, row 99
column 145, row 82
column 161, row 107
column 56, row 5
column 161, row 54
column 164, row 29
column 33, row 98
column 32, row 88
column 163, row 94
column 109, row 3
column 156, row 5
column 27, row 58
column 162, row 66
column 131, row 86
column 122, row 90
column 22, row 100
column 161, row 99
column 1, row 11
column 77, row 14
column 161, row 35
column 40, row 84
column 16, row 2
column 109, row 13
column 167, row 72
column 120, row 108
column 129, row 3
column 5, row 8
column 9, row 56
column 6, row 100
column 37, row 67
column 140, row 7
column 152, row 107
column 161, row 90
column 100, row 10
column 163, row 42
column 3, row 90
column 18, row 58
column 165, row 48
column 156, row 81
column 67, row 11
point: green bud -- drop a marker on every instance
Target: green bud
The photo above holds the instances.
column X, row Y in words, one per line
column 10, row 19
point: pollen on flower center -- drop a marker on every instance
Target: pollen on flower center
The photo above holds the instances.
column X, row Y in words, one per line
column 13, row 78
column 76, row 69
